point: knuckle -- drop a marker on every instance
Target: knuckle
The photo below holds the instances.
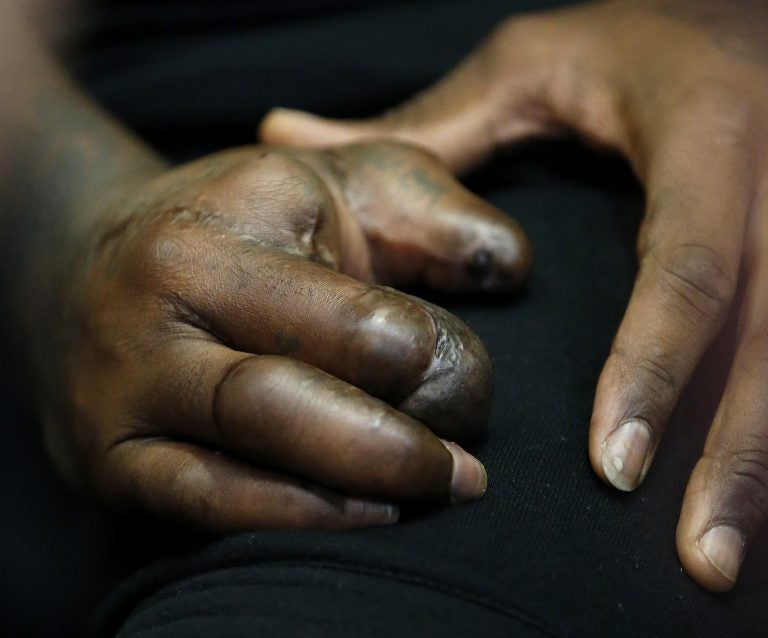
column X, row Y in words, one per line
column 574, row 87
column 294, row 206
column 395, row 331
column 311, row 236
column 271, row 184
column 161, row 254
column 698, row 277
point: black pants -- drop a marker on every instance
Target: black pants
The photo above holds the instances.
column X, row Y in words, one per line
column 550, row 550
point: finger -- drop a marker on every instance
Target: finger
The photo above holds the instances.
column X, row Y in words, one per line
column 486, row 101
column 726, row 501
column 421, row 224
column 690, row 251
column 384, row 212
column 214, row 492
column 395, row 347
column 290, row 417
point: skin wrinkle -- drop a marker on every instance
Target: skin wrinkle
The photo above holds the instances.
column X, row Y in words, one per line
column 655, row 102
column 682, row 289
column 453, row 244
column 188, row 317
column 309, row 233
column 165, row 247
column 350, row 256
column 649, row 59
column 145, row 275
column 701, row 269
column 665, row 381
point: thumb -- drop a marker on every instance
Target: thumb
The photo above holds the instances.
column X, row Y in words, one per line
column 492, row 98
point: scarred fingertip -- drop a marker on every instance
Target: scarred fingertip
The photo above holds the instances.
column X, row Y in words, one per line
column 503, row 259
column 469, row 479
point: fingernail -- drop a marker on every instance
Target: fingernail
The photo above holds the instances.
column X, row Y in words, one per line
column 724, row 546
column 469, row 479
column 625, row 453
column 371, row 512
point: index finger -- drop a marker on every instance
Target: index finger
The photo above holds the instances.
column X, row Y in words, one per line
column 691, row 249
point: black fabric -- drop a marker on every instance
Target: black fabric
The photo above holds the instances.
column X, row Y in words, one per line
column 191, row 89
column 549, row 550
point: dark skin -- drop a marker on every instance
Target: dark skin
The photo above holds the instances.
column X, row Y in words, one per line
column 680, row 88
column 677, row 86
column 233, row 364
column 215, row 344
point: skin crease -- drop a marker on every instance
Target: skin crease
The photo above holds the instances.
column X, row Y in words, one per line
column 680, row 88
column 258, row 268
column 216, row 344
column 215, row 315
column 677, row 87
